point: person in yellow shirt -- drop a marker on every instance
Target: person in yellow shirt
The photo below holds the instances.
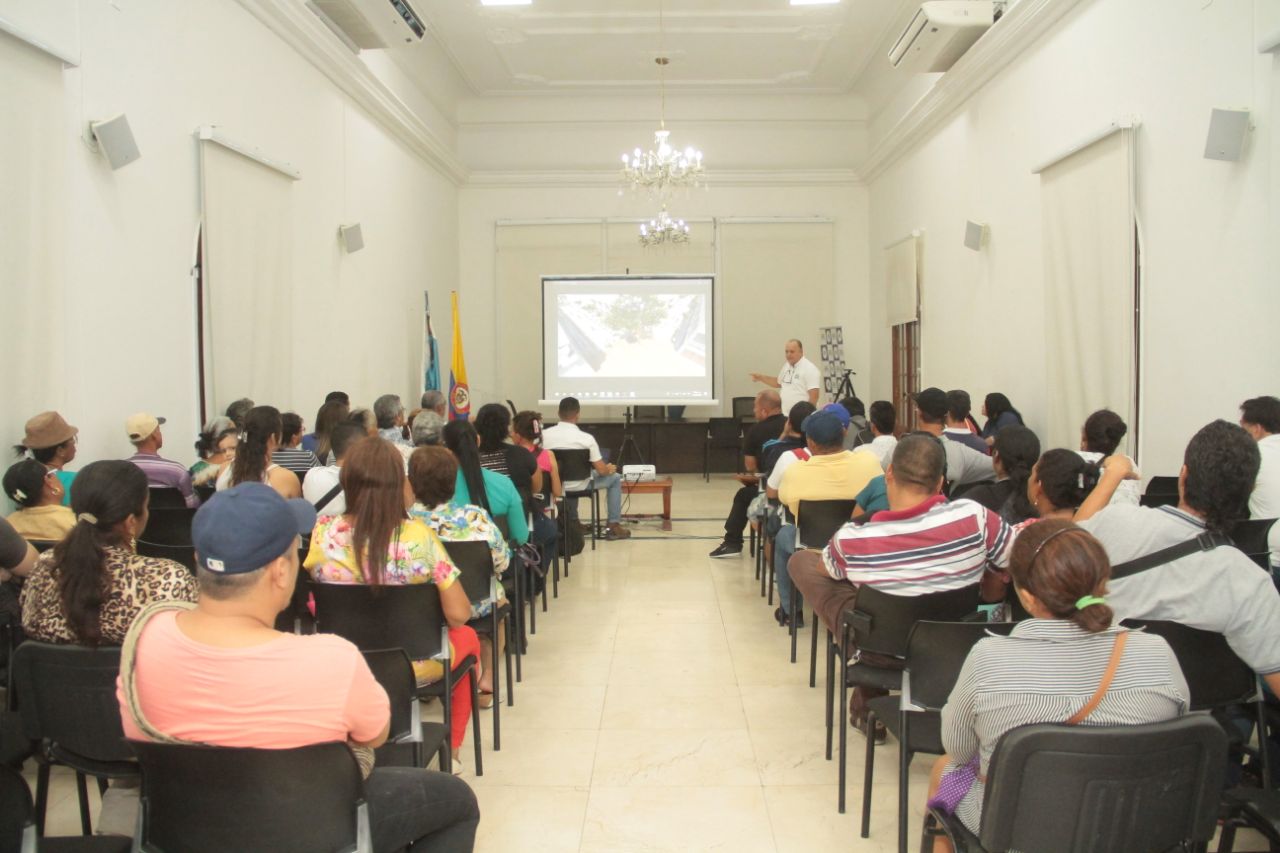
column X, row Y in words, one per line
column 830, row 473
column 38, row 493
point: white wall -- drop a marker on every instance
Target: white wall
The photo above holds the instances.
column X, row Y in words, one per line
column 1208, row 228
column 98, row 317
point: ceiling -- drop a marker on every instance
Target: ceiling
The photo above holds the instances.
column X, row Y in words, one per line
column 715, row 46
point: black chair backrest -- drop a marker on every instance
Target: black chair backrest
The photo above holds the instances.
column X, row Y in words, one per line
column 503, row 526
column 407, row 617
column 818, row 521
column 169, row 526
column 1080, row 789
column 207, row 798
column 42, row 545
column 882, row 623
column 184, row 554
column 1251, row 537
column 744, row 407
column 574, row 465
column 394, row 671
column 1161, row 491
column 166, row 498
column 724, row 432
column 205, row 492
column 475, row 561
column 67, row 695
column 650, row 413
column 1216, row 676
column 935, row 653
column 16, row 811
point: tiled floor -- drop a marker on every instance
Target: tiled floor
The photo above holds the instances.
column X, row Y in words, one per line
column 659, row 712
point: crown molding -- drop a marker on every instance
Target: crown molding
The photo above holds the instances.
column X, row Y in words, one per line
column 306, row 34
column 609, row 178
column 1013, row 34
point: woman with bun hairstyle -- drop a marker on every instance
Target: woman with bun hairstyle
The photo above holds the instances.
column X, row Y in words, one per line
column 1052, row 667
column 38, row 493
column 1100, row 437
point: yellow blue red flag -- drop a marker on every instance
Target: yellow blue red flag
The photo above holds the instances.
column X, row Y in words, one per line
column 459, row 392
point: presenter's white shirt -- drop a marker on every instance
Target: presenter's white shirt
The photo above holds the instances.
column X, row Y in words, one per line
column 795, row 382
column 567, row 436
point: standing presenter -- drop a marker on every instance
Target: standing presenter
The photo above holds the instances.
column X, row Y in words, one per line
column 798, row 380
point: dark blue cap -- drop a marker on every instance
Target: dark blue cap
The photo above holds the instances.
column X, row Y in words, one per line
column 841, row 413
column 823, row 429
column 244, row 528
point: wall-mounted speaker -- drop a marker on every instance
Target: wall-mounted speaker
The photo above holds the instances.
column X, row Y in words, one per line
column 1228, row 130
column 975, row 235
column 115, row 140
column 352, row 237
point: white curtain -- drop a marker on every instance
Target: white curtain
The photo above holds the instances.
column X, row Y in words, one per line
column 248, row 279
column 903, row 283
column 1090, row 281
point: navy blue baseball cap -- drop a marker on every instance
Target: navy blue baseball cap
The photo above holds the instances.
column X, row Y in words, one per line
column 823, row 429
column 244, row 528
column 841, row 413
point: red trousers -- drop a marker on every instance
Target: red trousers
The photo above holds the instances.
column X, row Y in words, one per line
column 464, row 642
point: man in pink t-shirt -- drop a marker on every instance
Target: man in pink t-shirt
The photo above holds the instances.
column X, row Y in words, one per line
column 221, row 674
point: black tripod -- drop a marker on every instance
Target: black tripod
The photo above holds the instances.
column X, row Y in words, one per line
column 846, row 387
column 628, row 442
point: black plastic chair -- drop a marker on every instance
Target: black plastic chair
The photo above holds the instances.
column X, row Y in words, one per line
column 935, row 653
column 1160, row 491
column 18, row 826
column 164, row 497
column 205, row 492
column 880, row 624
column 816, row 523
column 394, row 671
column 722, row 434
column 575, row 465
column 744, row 408
column 475, row 562
column 650, row 413
column 168, row 535
column 1055, row 788
column 1251, row 537
column 210, row 799
column 408, row 617
column 67, row 698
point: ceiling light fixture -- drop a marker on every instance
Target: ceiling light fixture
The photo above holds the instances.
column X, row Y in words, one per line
column 663, row 229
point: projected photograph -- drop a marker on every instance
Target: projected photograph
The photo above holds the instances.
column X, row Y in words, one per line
column 652, row 335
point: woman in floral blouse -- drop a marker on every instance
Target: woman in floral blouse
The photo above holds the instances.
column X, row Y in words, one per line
column 432, row 474
column 376, row 542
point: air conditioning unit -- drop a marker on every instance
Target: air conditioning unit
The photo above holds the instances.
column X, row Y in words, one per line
column 940, row 32
column 371, row 24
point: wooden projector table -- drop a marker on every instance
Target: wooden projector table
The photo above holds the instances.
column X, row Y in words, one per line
column 650, row 487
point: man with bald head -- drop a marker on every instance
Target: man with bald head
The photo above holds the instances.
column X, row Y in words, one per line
column 768, row 426
column 798, row 380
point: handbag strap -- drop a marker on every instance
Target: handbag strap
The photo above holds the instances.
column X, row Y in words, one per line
column 128, row 669
column 1206, row 541
column 1112, row 665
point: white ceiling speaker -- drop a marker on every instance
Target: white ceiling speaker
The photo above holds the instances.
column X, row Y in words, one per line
column 352, row 237
column 115, row 140
column 975, row 235
column 1228, row 130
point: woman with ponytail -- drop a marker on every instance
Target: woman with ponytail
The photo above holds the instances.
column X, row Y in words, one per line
column 493, row 492
column 1013, row 455
column 1052, row 667
column 89, row 588
column 263, row 427
column 38, row 493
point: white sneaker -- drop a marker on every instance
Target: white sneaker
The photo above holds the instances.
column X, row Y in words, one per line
column 457, row 766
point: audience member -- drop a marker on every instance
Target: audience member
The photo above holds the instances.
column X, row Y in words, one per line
column 859, row 431
column 497, row 453
column 366, row 419
column 1052, row 667
column 17, row 557
column 475, row 484
column 426, row 428
column 216, row 446
column 566, row 435
column 261, row 437
column 389, row 413
column 526, row 431
column 290, row 454
column 799, row 378
column 922, row 544
column 433, row 475
column 1060, row 482
column 376, row 542
column 769, row 423
column 1014, row 454
column 90, row 586
column 1260, row 417
column 332, row 413
column 1218, row 590
column 883, row 420
column 999, row 413
column 1099, row 438
column 144, row 431
column 220, row 674
column 789, row 448
column 965, row 465
column 323, row 486
column 959, row 419
column 830, row 473
column 435, row 401
column 51, row 441
column 238, row 410
column 38, row 493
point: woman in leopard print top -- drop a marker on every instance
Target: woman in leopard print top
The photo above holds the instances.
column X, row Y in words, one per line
column 89, row 588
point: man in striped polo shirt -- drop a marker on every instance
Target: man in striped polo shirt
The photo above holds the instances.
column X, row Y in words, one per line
column 144, row 431
column 922, row 544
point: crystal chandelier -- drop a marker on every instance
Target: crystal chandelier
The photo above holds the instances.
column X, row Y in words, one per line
column 664, row 166
column 663, row 229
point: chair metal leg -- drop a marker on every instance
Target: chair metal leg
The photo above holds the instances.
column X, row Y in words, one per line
column 555, row 577
column 904, row 767
column 446, row 705
column 831, row 690
column 813, row 652
column 496, row 675
column 511, row 685
column 42, row 795
column 844, row 741
column 533, row 616
column 515, row 633
column 792, row 616
column 82, row 792
column 595, row 517
column 868, row 773
column 102, row 785
column 475, row 717
column 768, row 559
